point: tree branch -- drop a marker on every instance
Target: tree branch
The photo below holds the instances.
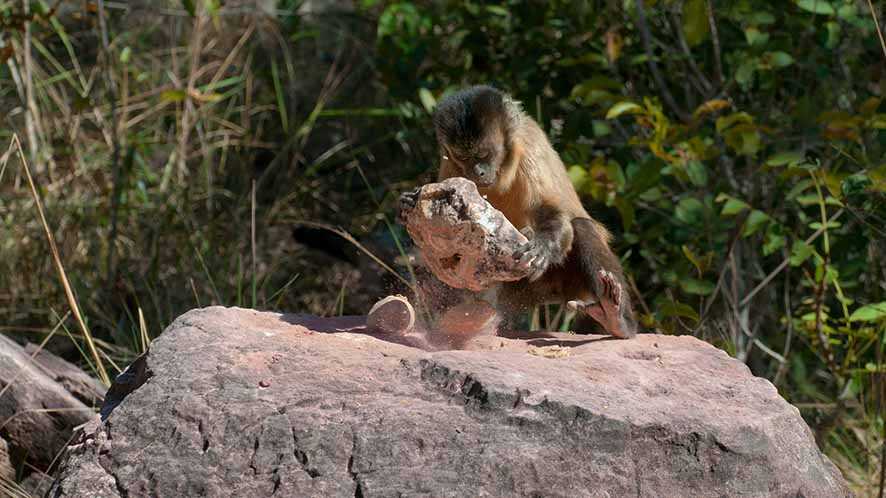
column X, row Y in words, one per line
column 653, row 67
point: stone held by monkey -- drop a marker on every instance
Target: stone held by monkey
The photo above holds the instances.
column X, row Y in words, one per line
column 484, row 135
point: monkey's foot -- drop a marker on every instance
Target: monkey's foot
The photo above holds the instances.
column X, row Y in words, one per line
column 607, row 310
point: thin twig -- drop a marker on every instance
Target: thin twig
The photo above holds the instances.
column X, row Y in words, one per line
column 784, row 263
column 883, row 46
column 705, row 86
column 736, row 233
column 715, row 40
column 653, row 67
column 350, row 238
column 69, row 293
column 115, row 143
column 782, row 367
column 252, row 240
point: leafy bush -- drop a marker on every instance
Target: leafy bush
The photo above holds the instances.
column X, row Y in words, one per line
column 737, row 148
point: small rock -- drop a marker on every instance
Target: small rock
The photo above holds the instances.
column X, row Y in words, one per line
column 84, row 387
column 264, row 383
column 37, row 413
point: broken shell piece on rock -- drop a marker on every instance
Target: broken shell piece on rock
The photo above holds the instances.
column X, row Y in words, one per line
column 391, row 315
column 466, row 242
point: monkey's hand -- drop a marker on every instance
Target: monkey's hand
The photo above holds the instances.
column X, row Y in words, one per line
column 612, row 311
column 538, row 254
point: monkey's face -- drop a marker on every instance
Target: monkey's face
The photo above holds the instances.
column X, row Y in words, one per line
column 471, row 131
column 479, row 160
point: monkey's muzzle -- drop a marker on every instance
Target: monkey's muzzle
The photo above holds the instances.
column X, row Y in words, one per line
column 484, row 174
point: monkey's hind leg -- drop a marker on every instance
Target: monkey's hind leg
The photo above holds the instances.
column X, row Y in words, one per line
column 611, row 309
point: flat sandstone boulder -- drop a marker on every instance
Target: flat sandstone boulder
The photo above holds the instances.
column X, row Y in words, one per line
column 464, row 241
column 234, row 402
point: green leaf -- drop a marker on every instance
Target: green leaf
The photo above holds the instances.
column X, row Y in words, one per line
column 125, row 55
column 726, row 122
column 815, row 225
column 697, row 173
column 626, row 210
column 189, row 6
column 755, row 37
column 671, row 309
column 778, row 59
column 695, row 22
column 733, row 206
column 877, row 121
column 693, row 258
column 774, row 239
column 800, row 252
column 855, row 184
column 647, row 176
column 869, row 313
column 755, row 222
column 847, row 11
column 579, row 177
column 745, row 72
column 761, row 17
column 172, row 96
column 833, row 29
column 622, row 108
column 690, row 211
column 789, row 158
column 697, row 287
column 427, row 99
column 615, row 173
column 816, row 6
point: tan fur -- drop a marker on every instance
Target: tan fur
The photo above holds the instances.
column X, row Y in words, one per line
column 533, row 189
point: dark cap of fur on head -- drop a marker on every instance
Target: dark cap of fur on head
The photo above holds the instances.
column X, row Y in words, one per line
column 461, row 117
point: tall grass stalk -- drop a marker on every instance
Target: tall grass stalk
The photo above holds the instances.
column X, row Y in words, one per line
column 60, row 268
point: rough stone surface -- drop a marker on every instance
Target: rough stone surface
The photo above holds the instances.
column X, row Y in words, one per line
column 345, row 413
column 36, row 484
column 467, row 243
column 84, row 387
column 37, row 414
column 7, row 472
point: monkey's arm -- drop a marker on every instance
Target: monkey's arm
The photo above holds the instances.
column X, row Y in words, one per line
column 550, row 237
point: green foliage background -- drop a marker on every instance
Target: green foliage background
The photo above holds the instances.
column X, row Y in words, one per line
column 735, row 148
column 738, row 149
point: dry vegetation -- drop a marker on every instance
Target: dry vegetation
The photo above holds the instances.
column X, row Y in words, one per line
column 171, row 148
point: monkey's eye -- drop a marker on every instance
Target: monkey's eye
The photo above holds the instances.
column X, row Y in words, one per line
column 483, row 156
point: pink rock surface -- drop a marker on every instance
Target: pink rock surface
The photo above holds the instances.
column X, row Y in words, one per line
column 234, row 402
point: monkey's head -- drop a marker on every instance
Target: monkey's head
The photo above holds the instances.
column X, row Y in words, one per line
column 474, row 128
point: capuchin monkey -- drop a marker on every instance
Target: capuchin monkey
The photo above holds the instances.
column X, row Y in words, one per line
column 484, row 136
